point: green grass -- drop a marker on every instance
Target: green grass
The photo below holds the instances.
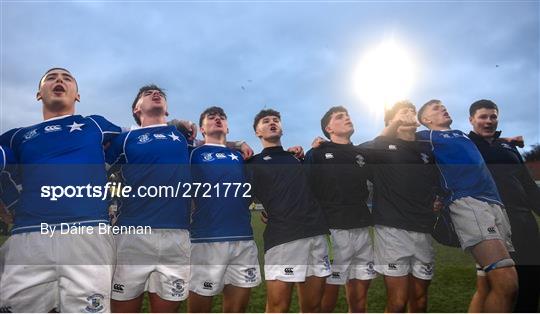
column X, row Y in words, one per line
column 450, row 291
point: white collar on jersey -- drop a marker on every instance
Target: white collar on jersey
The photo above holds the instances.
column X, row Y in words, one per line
column 212, row 144
column 136, row 127
column 58, row 118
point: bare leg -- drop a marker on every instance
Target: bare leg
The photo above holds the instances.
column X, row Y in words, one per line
column 278, row 296
column 503, row 282
column 310, row 293
column 479, row 297
column 357, row 295
column 199, row 303
column 159, row 305
column 418, row 294
column 329, row 300
column 235, row 299
column 397, row 293
column 129, row 306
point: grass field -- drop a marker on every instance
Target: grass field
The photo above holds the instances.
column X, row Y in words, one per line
column 450, row 291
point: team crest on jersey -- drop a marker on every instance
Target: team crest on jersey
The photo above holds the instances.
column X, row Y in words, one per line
column 424, row 157
column 143, row 139
column 96, row 303
column 160, row 136
column 221, row 156
column 178, row 288
column 207, row 157
column 53, row 128
column 250, row 274
column 360, row 160
column 30, row 135
column 328, row 155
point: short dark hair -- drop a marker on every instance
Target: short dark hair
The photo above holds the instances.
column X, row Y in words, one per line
column 209, row 111
column 326, row 118
column 482, row 103
column 423, row 108
column 391, row 113
column 265, row 113
column 52, row 69
column 141, row 91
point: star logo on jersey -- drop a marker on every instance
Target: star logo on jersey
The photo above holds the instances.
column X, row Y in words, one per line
column 233, row 156
column 75, row 126
column 424, row 157
column 174, row 137
column 328, row 155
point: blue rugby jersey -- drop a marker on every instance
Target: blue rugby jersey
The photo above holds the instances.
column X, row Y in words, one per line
column 62, row 151
column 9, row 194
column 148, row 157
column 219, row 218
column 463, row 170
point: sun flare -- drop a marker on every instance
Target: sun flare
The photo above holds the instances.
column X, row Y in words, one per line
column 384, row 75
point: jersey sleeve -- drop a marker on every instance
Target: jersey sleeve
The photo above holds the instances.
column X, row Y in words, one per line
column 9, row 192
column 7, row 137
column 108, row 129
column 423, row 135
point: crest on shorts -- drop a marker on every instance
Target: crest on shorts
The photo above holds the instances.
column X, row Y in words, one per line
column 428, row 269
column 96, row 303
column 178, row 289
column 326, row 262
column 250, row 274
column 371, row 268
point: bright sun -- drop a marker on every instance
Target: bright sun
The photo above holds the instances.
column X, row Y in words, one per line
column 384, row 75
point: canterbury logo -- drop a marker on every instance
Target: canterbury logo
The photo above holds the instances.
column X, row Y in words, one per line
column 289, row 271
column 118, row 287
column 392, row 266
column 491, row 230
column 208, row 285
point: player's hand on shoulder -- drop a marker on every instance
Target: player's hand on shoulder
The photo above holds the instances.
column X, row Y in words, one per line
column 516, row 141
column 246, row 151
column 317, row 142
column 298, row 151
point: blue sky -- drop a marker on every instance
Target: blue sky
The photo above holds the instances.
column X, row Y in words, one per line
column 298, row 57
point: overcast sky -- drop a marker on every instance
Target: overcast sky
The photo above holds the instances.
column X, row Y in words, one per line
column 298, row 57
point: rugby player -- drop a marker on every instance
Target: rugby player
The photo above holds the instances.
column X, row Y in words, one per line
column 154, row 155
column 405, row 188
column 520, row 195
column 475, row 206
column 46, row 270
column 224, row 256
column 9, row 194
column 294, row 239
column 338, row 176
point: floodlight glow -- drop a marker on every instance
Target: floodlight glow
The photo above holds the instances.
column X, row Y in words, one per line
column 384, row 75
